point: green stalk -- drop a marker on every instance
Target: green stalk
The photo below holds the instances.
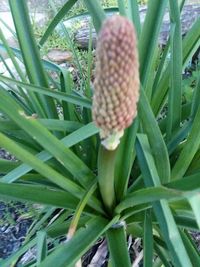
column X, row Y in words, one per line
column 116, row 238
column 106, row 166
column 122, row 7
column 134, row 16
column 125, row 158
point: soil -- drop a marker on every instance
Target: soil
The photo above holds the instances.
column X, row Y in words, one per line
column 13, row 228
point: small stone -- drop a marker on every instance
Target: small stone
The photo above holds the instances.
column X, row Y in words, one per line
column 59, row 56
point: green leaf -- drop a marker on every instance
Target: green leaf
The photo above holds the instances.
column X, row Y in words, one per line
column 50, row 124
column 162, row 211
column 156, row 140
column 190, row 44
column 96, row 11
column 194, row 166
column 191, row 247
column 45, row 170
column 134, row 15
column 135, row 211
column 70, row 140
column 10, row 53
column 41, row 246
column 148, row 240
column 59, row 16
column 21, row 74
column 66, row 87
column 38, row 194
column 161, row 67
column 187, row 183
column 68, row 254
column 175, row 92
column 79, row 210
column 186, row 220
column 195, row 202
column 7, row 165
column 149, row 36
column 30, row 53
column 60, row 227
column 189, row 150
column 8, row 27
column 179, row 136
column 135, row 230
column 181, row 210
column 122, row 7
column 70, row 43
column 117, row 244
column 162, row 255
column 64, row 155
column 196, row 96
column 47, row 64
column 83, row 15
column 39, row 222
column 82, row 101
column 147, row 195
column 60, row 125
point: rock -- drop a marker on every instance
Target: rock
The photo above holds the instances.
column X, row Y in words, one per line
column 189, row 14
column 82, row 38
column 59, row 56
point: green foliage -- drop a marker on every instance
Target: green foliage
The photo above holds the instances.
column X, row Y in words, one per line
column 148, row 188
column 54, row 41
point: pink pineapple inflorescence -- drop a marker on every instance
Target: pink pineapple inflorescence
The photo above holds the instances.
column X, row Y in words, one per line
column 116, row 84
